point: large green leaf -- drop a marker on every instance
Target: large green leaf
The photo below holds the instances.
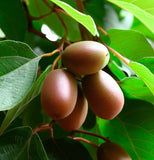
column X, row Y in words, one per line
column 20, row 107
column 85, row 20
column 13, row 19
column 17, row 144
column 133, row 129
column 130, row 44
column 143, row 10
column 18, row 72
column 144, row 73
column 135, row 88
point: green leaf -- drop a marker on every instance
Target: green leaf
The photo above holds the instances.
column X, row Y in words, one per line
column 116, row 70
column 138, row 26
column 148, row 62
column 132, row 129
column 140, row 9
column 18, row 72
column 83, row 19
column 15, row 48
column 15, row 84
column 144, row 73
column 17, row 144
column 130, row 44
column 20, row 107
column 135, row 88
column 13, row 19
column 66, row 149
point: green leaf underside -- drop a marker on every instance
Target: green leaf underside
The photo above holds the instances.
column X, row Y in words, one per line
column 17, row 144
column 16, row 84
column 83, row 19
column 131, row 44
column 18, row 65
column 132, row 129
column 13, row 20
column 19, row 108
column 144, row 73
column 143, row 10
column 135, row 88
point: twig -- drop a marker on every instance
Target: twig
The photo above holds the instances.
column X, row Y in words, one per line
column 52, row 53
column 55, row 62
column 86, row 141
column 115, row 52
column 92, row 134
column 44, row 126
column 40, row 17
column 102, row 30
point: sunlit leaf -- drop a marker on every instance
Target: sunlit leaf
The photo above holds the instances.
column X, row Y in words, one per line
column 144, row 73
column 143, row 10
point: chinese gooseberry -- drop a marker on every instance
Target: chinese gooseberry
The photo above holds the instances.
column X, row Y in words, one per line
column 59, row 94
column 104, row 95
column 85, row 57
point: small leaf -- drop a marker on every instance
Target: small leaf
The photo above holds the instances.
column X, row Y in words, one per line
column 17, row 144
column 115, row 69
column 131, row 44
column 19, row 108
column 13, row 19
column 135, row 88
column 85, row 20
column 140, row 9
column 144, row 74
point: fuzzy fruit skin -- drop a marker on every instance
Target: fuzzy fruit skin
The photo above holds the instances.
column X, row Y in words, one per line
column 78, row 116
column 85, row 57
column 104, row 95
column 112, row 151
column 59, row 94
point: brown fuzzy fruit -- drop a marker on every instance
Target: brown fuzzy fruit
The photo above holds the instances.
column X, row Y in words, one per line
column 112, row 151
column 85, row 57
column 59, row 94
column 78, row 116
column 104, row 95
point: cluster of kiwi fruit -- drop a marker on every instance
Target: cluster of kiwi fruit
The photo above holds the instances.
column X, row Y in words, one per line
column 65, row 99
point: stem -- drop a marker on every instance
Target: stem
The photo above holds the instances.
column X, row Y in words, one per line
column 86, row 141
column 44, row 126
column 50, row 54
column 42, row 16
column 66, row 30
column 102, row 30
column 92, row 134
column 115, row 53
column 55, row 62
column 47, row 3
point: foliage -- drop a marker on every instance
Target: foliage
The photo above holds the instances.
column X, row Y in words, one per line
column 27, row 56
